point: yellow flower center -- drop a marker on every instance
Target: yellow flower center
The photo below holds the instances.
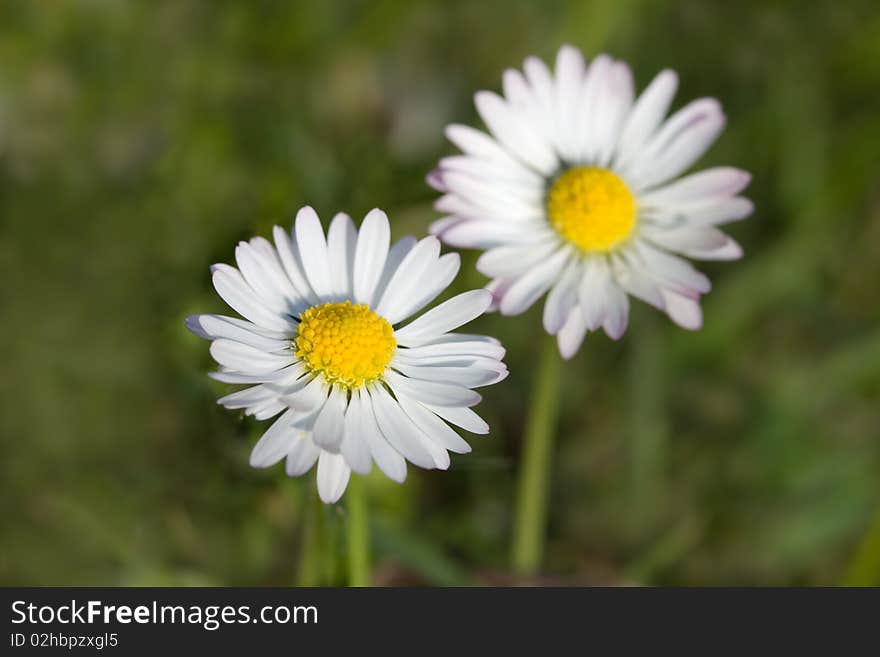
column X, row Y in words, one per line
column 350, row 344
column 592, row 208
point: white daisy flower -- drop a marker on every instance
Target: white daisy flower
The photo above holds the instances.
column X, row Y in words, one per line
column 575, row 193
column 321, row 347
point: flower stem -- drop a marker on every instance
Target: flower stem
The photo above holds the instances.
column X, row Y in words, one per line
column 358, row 534
column 310, row 567
column 531, row 501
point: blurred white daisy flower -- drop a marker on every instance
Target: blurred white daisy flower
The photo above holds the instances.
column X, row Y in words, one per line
column 575, row 193
column 321, row 347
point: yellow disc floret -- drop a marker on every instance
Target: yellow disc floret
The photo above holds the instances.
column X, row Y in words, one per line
column 592, row 208
column 350, row 344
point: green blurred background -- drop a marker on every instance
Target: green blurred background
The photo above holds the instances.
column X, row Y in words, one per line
column 140, row 141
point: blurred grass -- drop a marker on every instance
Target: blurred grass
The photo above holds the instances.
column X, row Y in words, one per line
column 140, row 140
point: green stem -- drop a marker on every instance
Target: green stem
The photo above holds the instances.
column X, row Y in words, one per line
column 358, row 534
column 310, row 572
column 531, row 501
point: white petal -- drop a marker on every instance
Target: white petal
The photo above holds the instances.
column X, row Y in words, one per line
column 432, row 283
column 562, row 297
column 398, row 429
column 275, row 293
column 487, row 234
column 355, row 447
column 671, row 271
column 681, row 141
column 238, row 294
column 731, row 250
column 288, row 253
column 569, row 82
column 586, row 138
column 458, row 344
column 341, row 244
column 616, row 100
column 449, row 315
column 302, row 455
column 429, row 392
column 468, row 377
column 707, row 213
column 370, row 255
column 406, row 279
column 514, row 133
column 496, row 198
column 684, row 311
column 387, row 459
column 531, row 285
column 717, row 182
column 462, row 417
column 247, row 397
column 594, row 291
column 212, row 327
column 243, row 358
column 513, row 261
column 333, row 474
column 646, row 115
column 435, row 428
column 478, row 144
column 266, row 410
column 616, row 312
column 498, row 288
column 327, row 432
column 571, row 335
column 490, row 170
column 636, row 281
column 310, row 397
column 312, row 248
column 275, row 442
column 396, row 255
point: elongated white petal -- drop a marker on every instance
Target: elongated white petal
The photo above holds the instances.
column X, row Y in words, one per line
column 387, row 459
column 333, row 474
column 212, row 327
column 569, row 82
column 433, row 283
column 398, row 429
column 465, row 418
column 372, row 250
column 561, row 297
column 237, row 293
column 455, row 344
column 646, row 115
column 244, row 358
column 341, row 244
column 531, row 285
column 682, row 310
column 328, row 430
column 509, row 128
column 593, row 292
column 717, row 182
column 310, row 397
column 432, row 426
column 449, row 315
column 616, row 312
column 407, row 278
column 470, row 376
column 302, row 455
column 396, row 255
column 572, row 333
column 275, row 442
column 288, row 253
column 313, row 250
column 355, row 447
column 431, row 392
